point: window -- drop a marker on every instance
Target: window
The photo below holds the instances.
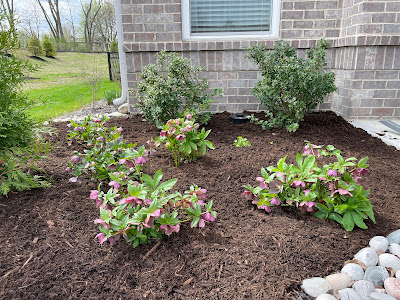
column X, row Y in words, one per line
column 227, row 19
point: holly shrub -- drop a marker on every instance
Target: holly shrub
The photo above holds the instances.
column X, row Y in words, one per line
column 331, row 191
column 291, row 86
column 172, row 89
column 182, row 138
column 137, row 207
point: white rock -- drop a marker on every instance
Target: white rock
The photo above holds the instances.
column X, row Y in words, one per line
column 394, row 248
column 354, row 271
column 379, row 296
column 364, row 288
column 315, row 286
column 339, row 281
column 117, row 115
column 325, row 297
column 349, row 294
column 379, row 244
column 367, row 256
column 376, row 275
column 389, row 261
column 124, row 108
column 394, row 237
column 398, row 274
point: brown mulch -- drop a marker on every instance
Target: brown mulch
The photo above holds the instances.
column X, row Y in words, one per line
column 48, row 250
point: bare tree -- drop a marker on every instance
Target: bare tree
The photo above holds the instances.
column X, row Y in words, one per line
column 105, row 25
column 90, row 10
column 54, row 21
column 71, row 20
column 31, row 19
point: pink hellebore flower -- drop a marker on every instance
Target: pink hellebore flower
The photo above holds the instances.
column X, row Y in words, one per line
column 75, row 158
column 201, row 203
column 360, row 171
column 112, row 166
column 156, row 213
column 140, row 160
column 265, row 207
column 148, row 142
column 281, row 175
column 306, row 192
column 79, row 129
column 171, row 130
column 147, row 201
column 97, row 121
column 120, row 129
column 314, row 151
column 101, row 237
column 309, row 205
column 189, row 116
column 187, row 128
column 275, row 187
column 73, row 179
column 130, row 199
column 68, row 169
column 263, row 183
column 209, row 217
column 341, row 192
column 180, row 137
column 114, row 184
column 275, row 201
column 168, row 229
column 248, row 195
column 102, row 222
column 201, row 194
column 202, row 223
column 299, row 183
column 332, row 173
column 101, row 139
column 94, row 194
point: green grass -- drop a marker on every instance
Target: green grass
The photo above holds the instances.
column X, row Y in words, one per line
column 59, row 83
column 62, row 99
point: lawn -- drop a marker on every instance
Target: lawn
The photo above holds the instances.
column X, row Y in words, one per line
column 48, row 248
column 59, row 83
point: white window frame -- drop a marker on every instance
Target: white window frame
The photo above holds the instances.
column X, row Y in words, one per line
column 273, row 33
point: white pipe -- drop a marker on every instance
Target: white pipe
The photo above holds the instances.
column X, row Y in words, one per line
column 121, row 52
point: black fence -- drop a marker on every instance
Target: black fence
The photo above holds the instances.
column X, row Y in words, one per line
column 113, row 66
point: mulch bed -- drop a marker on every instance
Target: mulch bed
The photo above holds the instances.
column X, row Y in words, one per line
column 48, row 250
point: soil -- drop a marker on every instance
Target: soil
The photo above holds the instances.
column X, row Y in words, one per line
column 48, row 250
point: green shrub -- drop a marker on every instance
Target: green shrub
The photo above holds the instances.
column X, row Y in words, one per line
column 172, row 89
column 48, row 47
column 114, row 46
column 19, row 145
column 34, row 47
column 291, row 86
column 111, row 95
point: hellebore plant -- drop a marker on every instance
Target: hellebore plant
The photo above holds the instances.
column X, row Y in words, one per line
column 182, row 138
column 241, row 142
column 107, row 151
column 141, row 211
column 331, row 191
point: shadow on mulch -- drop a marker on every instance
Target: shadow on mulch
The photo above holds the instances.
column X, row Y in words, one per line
column 48, row 250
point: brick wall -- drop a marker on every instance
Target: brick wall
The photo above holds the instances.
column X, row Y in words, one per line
column 363, row 34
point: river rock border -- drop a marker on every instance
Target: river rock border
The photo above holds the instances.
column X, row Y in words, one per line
column 373, row 273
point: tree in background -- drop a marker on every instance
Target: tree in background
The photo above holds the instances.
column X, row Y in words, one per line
column 54, row 21
column 105, row 25
column 90, row 11
column 31, row 18
column 34, row 47
column 48, row 47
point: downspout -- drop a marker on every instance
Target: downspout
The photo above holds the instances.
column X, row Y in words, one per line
column 121, row 53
